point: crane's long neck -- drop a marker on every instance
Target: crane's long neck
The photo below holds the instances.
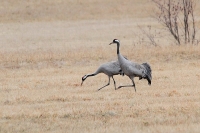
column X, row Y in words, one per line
column 121, row 59
column 88, row 75
column 93, row 74
column 118, row 48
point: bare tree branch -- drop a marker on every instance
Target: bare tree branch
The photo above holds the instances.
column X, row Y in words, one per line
column 169, row 15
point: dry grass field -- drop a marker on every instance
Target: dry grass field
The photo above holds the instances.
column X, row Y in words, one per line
column 46, row 47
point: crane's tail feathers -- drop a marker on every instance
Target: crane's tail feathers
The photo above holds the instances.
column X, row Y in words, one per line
column 147, row 72
column 149, row 81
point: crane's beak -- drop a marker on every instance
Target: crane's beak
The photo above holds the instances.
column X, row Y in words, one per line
column 81, row 83
column 111, row 43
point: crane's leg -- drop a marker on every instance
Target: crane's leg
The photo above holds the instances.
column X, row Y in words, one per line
column 105, row 85
column 133, row 84
column 114, row 83
column 129, row 85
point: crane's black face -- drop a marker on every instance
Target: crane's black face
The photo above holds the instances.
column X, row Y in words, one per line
column 83, row 78
column 114, row 41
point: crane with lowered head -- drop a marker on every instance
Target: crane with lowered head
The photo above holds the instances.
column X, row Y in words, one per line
column 110, row 69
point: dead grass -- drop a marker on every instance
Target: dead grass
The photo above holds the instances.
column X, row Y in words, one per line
column 49, row 10
column 43, row 57
column 41, row 96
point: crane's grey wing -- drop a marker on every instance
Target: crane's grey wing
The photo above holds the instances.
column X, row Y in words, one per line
column 134, row 69
column 142, row 71
column 113, row 68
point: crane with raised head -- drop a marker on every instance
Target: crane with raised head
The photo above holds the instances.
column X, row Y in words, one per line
column 132, row 69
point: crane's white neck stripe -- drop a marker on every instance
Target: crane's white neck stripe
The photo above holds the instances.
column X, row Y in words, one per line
column 117, row 40
column 85, row 77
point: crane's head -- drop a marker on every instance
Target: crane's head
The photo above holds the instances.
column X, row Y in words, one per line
column 83, row 78
column 114, row 41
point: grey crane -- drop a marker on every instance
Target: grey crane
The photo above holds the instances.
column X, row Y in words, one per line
column 132, row 69
column 110, row 69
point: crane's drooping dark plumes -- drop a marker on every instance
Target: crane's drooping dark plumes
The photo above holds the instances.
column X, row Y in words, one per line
column 148, row 71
